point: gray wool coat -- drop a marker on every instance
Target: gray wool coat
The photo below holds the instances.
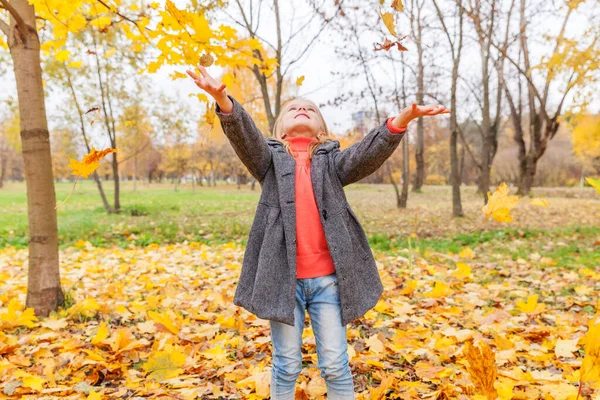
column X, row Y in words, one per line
column 267, row 283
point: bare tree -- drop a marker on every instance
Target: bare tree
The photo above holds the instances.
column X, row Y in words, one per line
column 543, row 124
column 249, row 20
column 456, row 49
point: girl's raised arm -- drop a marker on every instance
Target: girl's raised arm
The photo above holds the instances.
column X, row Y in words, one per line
column 239, row 127
column 364, row 157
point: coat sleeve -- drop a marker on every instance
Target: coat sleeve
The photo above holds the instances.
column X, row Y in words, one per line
column 363, row 158
column 246, row 139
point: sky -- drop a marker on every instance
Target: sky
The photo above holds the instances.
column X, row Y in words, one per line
column 316, row 66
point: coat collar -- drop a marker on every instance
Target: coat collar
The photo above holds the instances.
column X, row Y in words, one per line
column 323, row 148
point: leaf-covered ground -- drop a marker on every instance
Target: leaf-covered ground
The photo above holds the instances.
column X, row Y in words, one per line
column 150, row 320
column 159, row 321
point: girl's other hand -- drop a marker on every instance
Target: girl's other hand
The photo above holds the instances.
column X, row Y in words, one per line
column 416, row 111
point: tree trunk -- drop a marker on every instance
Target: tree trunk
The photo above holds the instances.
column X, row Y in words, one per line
column 3, row 164
column 44, row 292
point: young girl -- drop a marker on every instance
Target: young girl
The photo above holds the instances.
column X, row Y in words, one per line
column 306, row 249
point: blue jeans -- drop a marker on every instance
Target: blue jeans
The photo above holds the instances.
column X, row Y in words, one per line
column 321, row 297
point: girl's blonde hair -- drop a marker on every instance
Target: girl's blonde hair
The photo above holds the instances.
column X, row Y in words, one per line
column 323, row 136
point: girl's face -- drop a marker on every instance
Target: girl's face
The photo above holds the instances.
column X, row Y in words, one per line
column 300, row 118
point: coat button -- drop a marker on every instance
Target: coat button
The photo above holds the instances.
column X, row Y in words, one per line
column 344, row 278
column 294, row 240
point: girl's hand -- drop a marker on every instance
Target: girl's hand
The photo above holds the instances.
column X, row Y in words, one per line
column 416, row 111
column 209, row 84
column 213, row 87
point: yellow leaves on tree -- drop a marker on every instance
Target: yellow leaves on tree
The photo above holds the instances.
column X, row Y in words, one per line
column 499, row 204
column 183, row 34
column 165, row 364
column 586, row 137
column 482, row 368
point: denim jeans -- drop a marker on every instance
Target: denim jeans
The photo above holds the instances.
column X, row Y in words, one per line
column 321, row 297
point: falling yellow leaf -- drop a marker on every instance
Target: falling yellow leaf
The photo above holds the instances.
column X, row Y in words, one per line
column 398, row 5
column 388, row 20
column 595, row 183
column 129, row 123
column 299, row 80
column 539, row 202
column 90, row 162
column 499, row 204
column 210, row 115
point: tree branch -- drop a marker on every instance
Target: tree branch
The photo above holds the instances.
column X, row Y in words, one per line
column 7, row 6
column 4, row 27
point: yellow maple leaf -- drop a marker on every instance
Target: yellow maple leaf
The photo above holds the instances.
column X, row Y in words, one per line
column 482, row 367
column 14, row 316
column 299, row 80
column 100, row 22
column 590, row 367
column 595, row 183
column 83, row 169
column 467, row 252
column 101, row 334
column 499, row 204
column 94, row 395
column 167, row 319
column 62, row 55
column 90, row 162
column 462, row 271
column 31, row 381
column 531, row 305
column 388, row 20
column 165, row 364
column 440, row 289
column 398, row 5
column 539, row 202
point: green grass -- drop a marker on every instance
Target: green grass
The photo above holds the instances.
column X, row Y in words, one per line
column 158, row 214
column 155, row 215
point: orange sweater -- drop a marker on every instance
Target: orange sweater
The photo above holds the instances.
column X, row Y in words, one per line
column 312, row 254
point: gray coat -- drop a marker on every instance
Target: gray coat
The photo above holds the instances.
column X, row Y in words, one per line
column 267, row 283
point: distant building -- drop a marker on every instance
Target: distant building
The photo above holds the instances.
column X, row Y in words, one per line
column 364, row 121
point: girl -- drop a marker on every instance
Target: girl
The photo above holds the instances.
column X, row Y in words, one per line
column 306, row 249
